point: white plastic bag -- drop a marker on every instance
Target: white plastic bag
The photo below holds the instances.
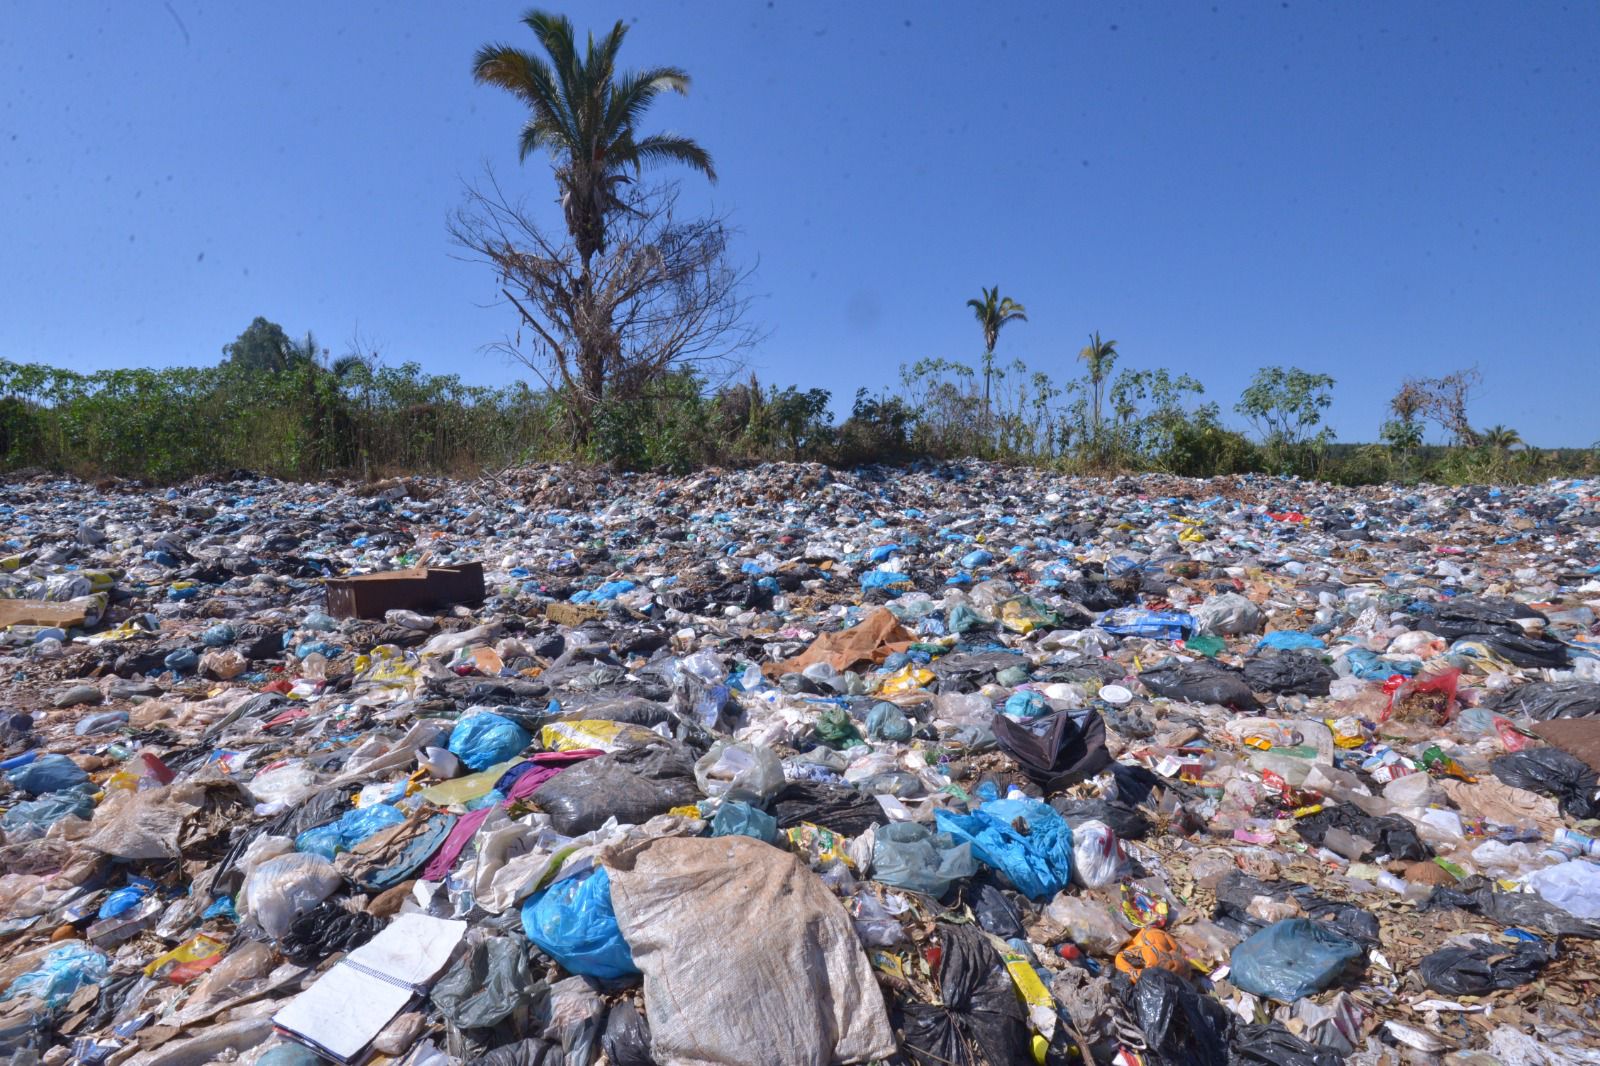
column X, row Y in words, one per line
column 1097, row 855
column 280, row 890
column 1573, row 886
column 741, row 772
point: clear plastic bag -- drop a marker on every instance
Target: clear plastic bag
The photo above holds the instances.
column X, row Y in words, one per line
column 909, row 855
column 282, row 889
column 741, row 771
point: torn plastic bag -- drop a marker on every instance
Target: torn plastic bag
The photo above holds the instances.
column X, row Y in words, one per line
column 632, row 786
column 837, row 807
column 485, row 985
column 1544, row 700
column 61, row 973
column 1522, row 909
column 743, row 947
column 1429, row 699
column 1181, row 1026
column 350, row 829
column 1038, row 862
column 980, row 1019
column 1289, row 672
column 1123, row 819
column 328, row 929
column 1555, row 773
column 1573, row 886
column 1391, row 834
column 747, row 772
column 572, row 922
column 1530, row 653
column 909, row 855
column 627, row 1037
column 1056, row 750
column 1273, row 1045
column 1479, row 968
column 392, row 855
column 29, row 819
column 482, row 739
column 1202, row 682
column 1291, row 958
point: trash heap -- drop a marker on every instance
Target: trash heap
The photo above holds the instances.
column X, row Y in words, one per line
column 946, row 765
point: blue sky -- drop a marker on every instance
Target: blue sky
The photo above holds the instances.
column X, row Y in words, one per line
column 1367, row 189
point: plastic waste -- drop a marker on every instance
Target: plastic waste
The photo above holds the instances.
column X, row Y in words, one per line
column 1290, row 959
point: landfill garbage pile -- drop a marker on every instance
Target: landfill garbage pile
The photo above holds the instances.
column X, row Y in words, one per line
column 949, row 765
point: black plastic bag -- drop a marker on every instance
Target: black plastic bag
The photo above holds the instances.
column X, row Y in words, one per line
column 1520, row 909
column 1530, row 653
column 326, row 929
column 1057, row 750
column 981, row 1009
column 1391, row 833
column 529, row 1052
column 994, row 911
column 1481, row 967
column 1200, row 683
column 627, row 1038
column 1554, row 772
column 1180, row 1025
column 1124, row 820
column 1236, row 891
column 837, row 807
column 1293, row 672
column 486, row 984
column 1273, row 1045
column 1544, row 700
column 634, row 785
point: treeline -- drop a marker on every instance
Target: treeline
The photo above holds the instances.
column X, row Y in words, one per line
column 304, row 417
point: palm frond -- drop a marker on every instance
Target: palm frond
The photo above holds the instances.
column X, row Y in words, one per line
column 669, row 148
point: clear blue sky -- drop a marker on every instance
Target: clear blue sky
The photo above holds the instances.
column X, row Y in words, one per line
column 1368, row 189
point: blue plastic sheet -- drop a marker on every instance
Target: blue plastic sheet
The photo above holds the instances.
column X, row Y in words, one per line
column 1290, row 959
column 884, row 579
column 46, row 811
column 482, row 739
column 572, row 922
column 1038, row 864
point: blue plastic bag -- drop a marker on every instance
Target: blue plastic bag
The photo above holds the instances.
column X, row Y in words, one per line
column 738, row 818
column 1026, row 704
column 482, row 738
column 61, row 973
column 887, row 722
column 1155, row 625
column 572, row 922
column 884, row 579
column 909, row 855
column 126, row 899
column 1290, row 640
column 46, row 774
column 350, row 830
column 1290, row 959
column 1039, row 864
column 46, row 811
column 976, row 558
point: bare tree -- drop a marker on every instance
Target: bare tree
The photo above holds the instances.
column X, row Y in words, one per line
column 1441, row 400
column 663, row 294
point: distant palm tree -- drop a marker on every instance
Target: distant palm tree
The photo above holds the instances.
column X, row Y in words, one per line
column 1500, row 438
column 1100, row 356
column 992, row 312
column 586, row 113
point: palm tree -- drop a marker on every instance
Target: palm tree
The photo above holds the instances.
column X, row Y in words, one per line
column 1099, row 356
column 992, row 312
column 1500, row 438
column 585, row 113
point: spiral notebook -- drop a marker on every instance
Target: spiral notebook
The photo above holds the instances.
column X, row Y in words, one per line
column 341, row 1013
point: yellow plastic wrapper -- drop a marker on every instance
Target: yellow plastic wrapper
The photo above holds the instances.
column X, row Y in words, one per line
column 1347, row 731
column 818, row 846
column 1015, row 616
column 188, row 960
column 908, row 678
column 1035, row 996
column 385, row 665
column 465, row 789
column 590, row 733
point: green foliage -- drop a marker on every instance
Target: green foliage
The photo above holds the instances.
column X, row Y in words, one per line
column 263, row 346
column 1286, row 405
column 877, row 431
